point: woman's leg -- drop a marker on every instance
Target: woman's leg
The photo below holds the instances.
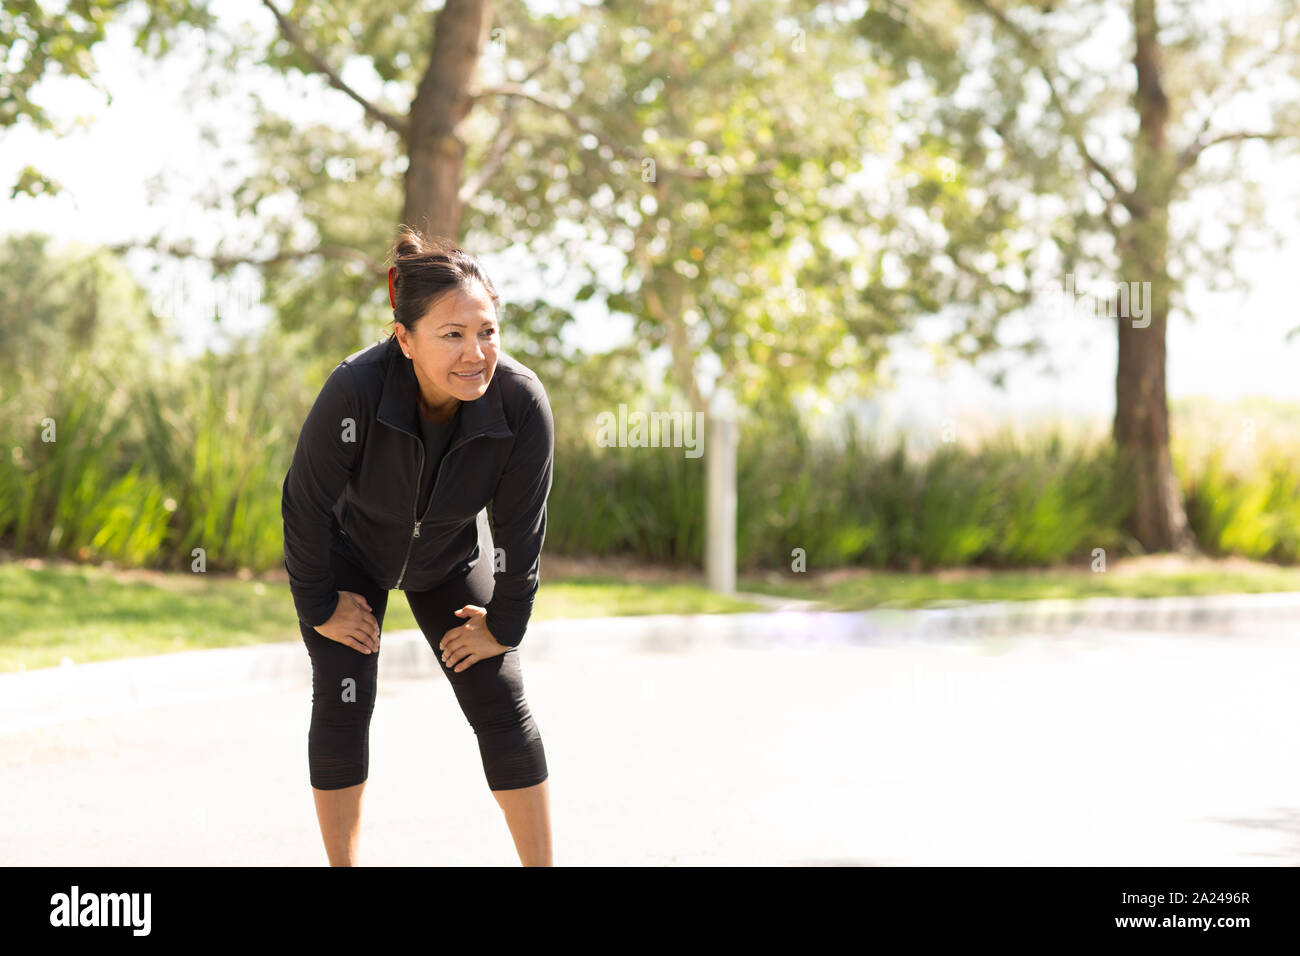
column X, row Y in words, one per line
column 528, row 815
column 344, row 686
column 339, row 813
column 491, row 695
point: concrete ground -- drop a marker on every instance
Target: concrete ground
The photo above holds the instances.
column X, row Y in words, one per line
column 1085, row 748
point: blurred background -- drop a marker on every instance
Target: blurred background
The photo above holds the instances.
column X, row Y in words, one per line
column 894, row 231
column 1002, row 290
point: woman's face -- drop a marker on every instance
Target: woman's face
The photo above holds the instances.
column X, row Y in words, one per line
column 459, row 334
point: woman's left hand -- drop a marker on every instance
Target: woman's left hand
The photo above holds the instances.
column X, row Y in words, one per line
column 463, row 646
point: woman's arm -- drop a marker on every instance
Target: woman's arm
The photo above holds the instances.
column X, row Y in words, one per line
column 519, row 522
column 322, row 463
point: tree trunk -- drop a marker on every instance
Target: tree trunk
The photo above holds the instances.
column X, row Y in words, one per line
column 1141, row 429
column 435, row 148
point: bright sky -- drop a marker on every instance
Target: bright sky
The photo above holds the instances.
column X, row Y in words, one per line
column 1234, row 349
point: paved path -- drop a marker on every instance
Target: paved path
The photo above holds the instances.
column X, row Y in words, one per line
column 1080, row 748
column 775, row 603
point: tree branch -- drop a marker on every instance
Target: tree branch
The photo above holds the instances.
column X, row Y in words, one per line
column 1225, row 93
column 223, row 261
column 517, row 90
column 1198, row 146
column 500, row 145
column 495, row 156
column 295, row 36
column 1068, row 120
column 684, row 172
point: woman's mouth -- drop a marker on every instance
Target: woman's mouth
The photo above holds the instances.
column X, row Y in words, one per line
column 468, row 376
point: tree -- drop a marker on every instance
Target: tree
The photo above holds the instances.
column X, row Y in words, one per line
column 709, row 152
column 718, row 155
column 37, row 41
column 58, row 304
column 1031, row 103
column 712, row 153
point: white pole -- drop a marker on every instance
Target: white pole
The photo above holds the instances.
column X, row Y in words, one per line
column 721, row 439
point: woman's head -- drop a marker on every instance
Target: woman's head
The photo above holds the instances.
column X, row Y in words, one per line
column 445, row 317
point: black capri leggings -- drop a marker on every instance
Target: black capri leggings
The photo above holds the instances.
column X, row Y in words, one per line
column 490, row 692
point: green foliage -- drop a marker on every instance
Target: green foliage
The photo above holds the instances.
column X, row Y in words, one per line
column 1052, row 499
column 154, row 458
column 854, row 502
column 1254, row 515
column 1237, row 466
column 735, row 242
column 38, row 40
column 146, row 468
column 644, row 501
column 60, row 300
column 114, row 451
column 732, row 212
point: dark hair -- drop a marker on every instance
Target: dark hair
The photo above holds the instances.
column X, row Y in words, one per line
column 428, row 268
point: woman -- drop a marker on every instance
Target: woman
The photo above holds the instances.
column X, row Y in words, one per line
column 407, row 444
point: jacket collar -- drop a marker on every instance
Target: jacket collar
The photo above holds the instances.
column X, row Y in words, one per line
column 399, row 406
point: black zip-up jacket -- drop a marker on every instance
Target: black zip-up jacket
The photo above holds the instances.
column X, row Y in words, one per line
column 356, row 470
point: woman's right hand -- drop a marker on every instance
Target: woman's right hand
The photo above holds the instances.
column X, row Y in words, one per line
column 353, row 623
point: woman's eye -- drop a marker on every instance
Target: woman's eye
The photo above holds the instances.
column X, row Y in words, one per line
column 489, row 333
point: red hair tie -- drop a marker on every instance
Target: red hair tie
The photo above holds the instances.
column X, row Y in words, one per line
column 392, row 299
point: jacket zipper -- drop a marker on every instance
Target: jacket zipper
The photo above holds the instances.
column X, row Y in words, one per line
column 433, row 493
column 415, row 503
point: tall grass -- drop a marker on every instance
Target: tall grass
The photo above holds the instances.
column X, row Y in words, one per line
column 1240, row 478
column 859, row 501
column 143, row 470
column 70, row 485
column 148, row 467
column 643, row 501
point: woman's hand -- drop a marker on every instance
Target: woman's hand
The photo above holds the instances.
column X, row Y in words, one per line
column 353, row 623
column 463, row 646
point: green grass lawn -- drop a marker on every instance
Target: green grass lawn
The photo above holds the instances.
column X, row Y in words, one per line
column 86, row 613
column 897, row 589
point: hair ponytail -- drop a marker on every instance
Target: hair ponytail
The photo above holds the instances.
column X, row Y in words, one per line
column 425, row 268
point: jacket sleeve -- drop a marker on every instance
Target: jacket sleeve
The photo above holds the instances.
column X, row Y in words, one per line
column 519, row 522
column 322, row 463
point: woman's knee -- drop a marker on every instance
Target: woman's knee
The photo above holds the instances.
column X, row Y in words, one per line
column 491, row 689
column 512, row 753
column 339, row 731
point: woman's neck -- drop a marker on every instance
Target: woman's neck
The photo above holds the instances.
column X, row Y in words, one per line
column 439, row 416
